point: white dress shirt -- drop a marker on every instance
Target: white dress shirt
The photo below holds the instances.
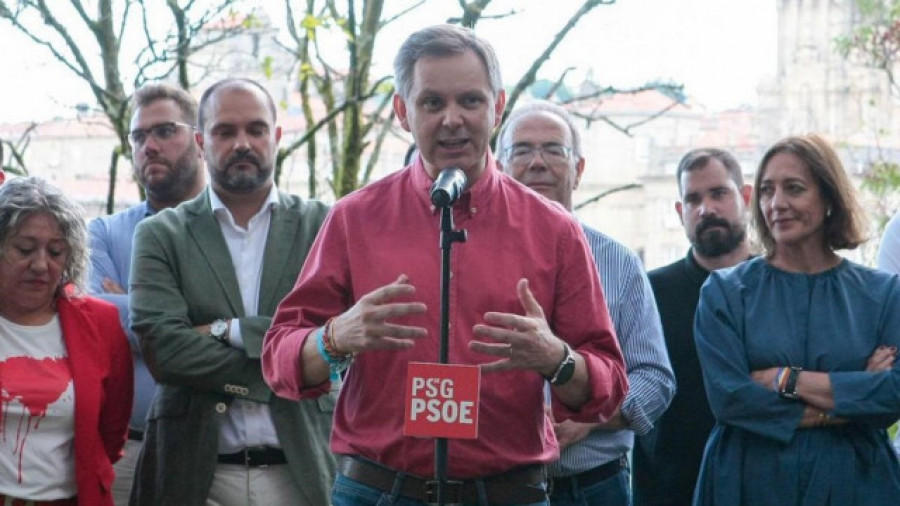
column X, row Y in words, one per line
column 248, row 423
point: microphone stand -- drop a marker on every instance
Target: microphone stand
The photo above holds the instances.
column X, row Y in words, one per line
column 448, row 237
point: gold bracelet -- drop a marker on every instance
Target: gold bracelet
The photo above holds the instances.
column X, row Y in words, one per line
column 330, row 346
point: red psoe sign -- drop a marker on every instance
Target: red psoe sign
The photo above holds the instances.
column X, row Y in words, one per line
column 442, row 400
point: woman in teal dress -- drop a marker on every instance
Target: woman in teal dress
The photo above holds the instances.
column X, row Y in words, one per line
column 798, row 349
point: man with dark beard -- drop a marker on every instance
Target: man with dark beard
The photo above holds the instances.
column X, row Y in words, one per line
column 207, row 277
column 167, row 165
column 713, row 210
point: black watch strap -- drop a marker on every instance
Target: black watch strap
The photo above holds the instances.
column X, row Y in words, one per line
column 565, row 370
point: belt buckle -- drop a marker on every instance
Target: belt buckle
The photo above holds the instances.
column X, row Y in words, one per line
column 452, row 492
column 260, row 451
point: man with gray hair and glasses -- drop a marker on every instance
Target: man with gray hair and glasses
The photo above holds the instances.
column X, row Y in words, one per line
column 540, row 147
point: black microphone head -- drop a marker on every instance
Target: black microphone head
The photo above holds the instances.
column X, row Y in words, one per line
column 448, row 186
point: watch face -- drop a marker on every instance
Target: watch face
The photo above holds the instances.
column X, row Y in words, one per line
column 566, row 369
column 218, row 328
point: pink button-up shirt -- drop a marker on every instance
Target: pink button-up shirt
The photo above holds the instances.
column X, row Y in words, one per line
column 389, row 228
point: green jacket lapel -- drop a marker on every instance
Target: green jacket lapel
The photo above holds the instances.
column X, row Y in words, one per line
column 204, row 229
column 283, row 231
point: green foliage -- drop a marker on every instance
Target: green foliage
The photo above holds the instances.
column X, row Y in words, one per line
column 875, row 40
column 250, row 22
column 306, row 70
column 267, row 66
column 881, row 182
column 310, row 22
column 384, row 88
column 882, row 178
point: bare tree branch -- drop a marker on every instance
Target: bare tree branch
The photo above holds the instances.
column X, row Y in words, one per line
column 472, row 12
column 559, row 82
column 606, row 193
column 530, row 75
column 386, row 127
column 402, row 13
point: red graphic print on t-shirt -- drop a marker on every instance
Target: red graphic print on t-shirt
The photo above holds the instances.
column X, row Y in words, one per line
column 35, row 384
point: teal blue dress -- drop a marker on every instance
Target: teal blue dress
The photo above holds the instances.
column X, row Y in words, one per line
column 755, row 316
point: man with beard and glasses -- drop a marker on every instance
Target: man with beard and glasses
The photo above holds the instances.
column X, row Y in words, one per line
column 713, row 210
column 206, row 279
column 167, row 165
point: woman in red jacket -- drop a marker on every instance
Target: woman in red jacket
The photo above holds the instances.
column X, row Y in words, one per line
column 65, row 366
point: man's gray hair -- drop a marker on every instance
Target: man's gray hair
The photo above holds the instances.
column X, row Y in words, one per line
column 538, row 106
column 440, row 41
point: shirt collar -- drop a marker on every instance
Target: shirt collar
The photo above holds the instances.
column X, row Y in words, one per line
column 475, row 197
column 695, row 270
column 148, row 209
column 219, row 207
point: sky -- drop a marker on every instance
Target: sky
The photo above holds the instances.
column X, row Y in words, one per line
column 720, row 50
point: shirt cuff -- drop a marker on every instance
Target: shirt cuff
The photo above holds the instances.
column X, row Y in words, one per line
column 234, row 334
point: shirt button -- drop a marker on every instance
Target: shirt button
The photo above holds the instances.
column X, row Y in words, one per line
column 221, row 407
column 473, row 210
column 451, row 274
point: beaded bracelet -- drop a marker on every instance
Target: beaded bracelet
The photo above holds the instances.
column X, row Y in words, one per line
column 337, row 362
column 328, row 340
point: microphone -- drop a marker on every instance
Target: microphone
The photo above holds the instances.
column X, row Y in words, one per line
column 448, row 186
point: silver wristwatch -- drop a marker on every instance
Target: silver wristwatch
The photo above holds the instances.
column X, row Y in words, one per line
column 218, row 330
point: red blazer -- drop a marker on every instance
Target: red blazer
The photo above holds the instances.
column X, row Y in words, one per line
column 100, row 360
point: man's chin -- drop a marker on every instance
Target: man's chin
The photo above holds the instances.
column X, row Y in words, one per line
column 717, row 246
column 157, row 182
column 544, row 190
column 243, row 183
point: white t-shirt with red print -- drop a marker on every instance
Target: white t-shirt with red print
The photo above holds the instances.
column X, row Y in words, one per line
column 37, row 412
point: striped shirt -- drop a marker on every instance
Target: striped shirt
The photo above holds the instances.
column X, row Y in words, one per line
column 638, row 328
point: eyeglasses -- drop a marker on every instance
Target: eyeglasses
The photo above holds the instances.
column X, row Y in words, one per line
column 550, row 152
column 160, row 132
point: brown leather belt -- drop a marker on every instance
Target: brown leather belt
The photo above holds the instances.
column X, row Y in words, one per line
column 518, row 486
column 255, row 457
column 591, row 476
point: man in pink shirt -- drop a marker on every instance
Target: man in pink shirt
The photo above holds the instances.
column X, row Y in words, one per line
column 525, row 301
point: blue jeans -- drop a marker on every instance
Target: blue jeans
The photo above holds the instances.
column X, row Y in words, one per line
column 348, row 492
column 613, row 491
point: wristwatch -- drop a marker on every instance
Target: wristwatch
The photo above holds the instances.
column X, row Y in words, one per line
column 218, row 330
column 565, row 370
column 790, row 386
